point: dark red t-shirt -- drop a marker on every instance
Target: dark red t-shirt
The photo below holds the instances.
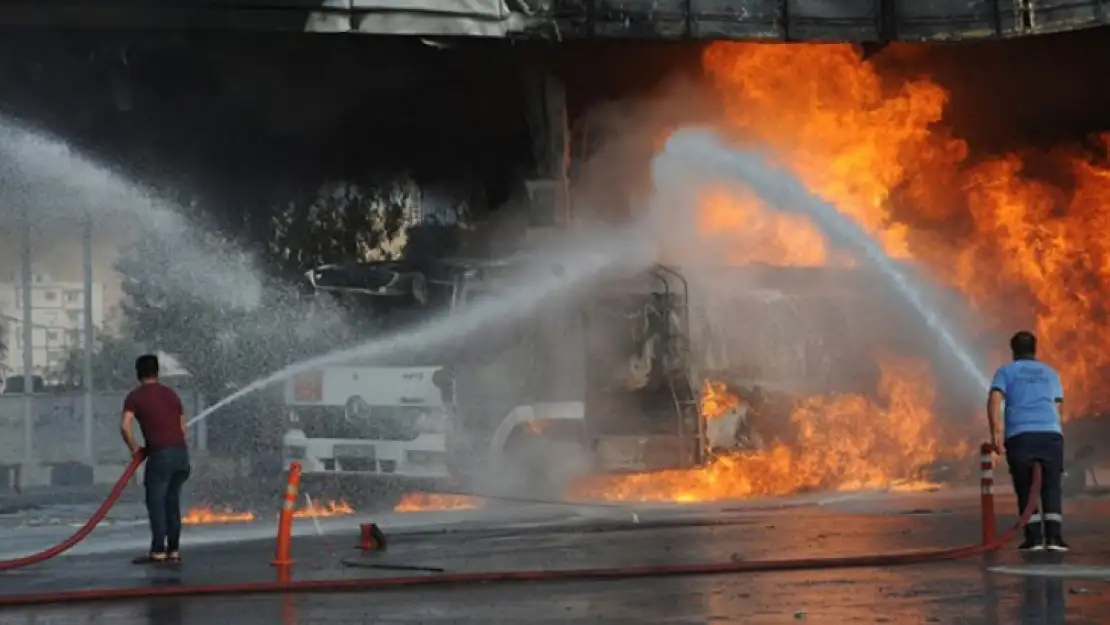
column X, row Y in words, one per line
column 158, row 410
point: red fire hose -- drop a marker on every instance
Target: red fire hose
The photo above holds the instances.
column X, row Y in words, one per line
column 447, row 579
column 86, row 529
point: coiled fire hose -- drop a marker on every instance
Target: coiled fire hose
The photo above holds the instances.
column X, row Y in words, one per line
column 451, row 579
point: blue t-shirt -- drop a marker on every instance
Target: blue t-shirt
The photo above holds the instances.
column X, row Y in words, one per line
column 1030, row 389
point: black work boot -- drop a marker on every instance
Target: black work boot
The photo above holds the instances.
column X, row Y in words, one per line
column 1054, row 536
column 1034, row 541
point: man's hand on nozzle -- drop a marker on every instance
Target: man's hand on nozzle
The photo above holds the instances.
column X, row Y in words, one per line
column 139, row 453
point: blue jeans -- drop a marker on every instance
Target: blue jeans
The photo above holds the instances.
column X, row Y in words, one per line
column 166, row 471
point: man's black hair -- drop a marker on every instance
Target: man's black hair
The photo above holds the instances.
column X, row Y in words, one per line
column 146, row 367
column 1023, row 344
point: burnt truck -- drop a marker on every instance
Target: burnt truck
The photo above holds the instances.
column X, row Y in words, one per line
column 596, row 379
column 608, row 376
column 585, row 381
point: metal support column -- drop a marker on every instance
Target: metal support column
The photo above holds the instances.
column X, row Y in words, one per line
column 86, row 364
column 558, row 145
column 26, row 278
column 547, row 117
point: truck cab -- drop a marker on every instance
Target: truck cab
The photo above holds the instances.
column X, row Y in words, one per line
column 594, row 380
column 367, row 419
column 381, row 418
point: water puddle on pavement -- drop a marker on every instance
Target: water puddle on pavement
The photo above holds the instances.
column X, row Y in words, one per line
column 922, row 512
column 1068, row 571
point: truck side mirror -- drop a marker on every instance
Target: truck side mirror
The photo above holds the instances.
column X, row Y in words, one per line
column 444, row 378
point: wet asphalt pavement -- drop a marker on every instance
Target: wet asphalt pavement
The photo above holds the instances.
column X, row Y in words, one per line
column 997, row 589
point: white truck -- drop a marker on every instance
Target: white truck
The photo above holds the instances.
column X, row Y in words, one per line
column 367, row 419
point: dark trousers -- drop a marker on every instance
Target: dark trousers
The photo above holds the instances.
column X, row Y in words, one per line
column 166, row 471
column 1022, row 452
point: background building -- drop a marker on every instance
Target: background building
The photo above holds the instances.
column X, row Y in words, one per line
column 57, row 310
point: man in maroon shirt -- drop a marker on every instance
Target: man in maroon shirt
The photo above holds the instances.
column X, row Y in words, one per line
column 161, row 419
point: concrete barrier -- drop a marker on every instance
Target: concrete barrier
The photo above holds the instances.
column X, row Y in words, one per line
column 59, row 454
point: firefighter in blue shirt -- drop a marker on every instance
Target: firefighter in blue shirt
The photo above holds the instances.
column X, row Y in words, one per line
column 1033, row 397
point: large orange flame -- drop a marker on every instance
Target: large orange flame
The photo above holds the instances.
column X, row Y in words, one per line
column 840, row 442
column 1024, row 251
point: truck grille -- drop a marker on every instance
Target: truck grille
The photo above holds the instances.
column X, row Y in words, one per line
column 362, row 465
column 384, row 423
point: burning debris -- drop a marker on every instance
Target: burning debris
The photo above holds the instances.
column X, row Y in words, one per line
column 1019, row 235
column 836, row 442
column 726, row 418
column 432, row 502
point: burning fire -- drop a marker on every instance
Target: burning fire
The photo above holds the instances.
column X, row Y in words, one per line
column 214, row 516
column 329, row 509
column 1022, row 236
column 428, row 502
column 716, row 400
column 842, row 442
column 204, row 515
column 1025, row 250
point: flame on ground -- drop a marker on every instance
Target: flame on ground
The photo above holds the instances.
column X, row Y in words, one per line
column 431, row 502
column 206, row 515
column 328, row 509
column 1025, row 250
column 840, row 442
column 203, row 515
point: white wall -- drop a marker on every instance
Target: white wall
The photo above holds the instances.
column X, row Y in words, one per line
column 58, row 432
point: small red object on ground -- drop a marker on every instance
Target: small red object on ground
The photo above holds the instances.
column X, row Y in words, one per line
column 371, row 537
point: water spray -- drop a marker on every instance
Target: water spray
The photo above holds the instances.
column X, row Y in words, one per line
column 546, row 275
column 703, row 155
column 44, row 173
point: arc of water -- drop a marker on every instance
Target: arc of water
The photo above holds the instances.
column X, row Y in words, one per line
column 707, row 153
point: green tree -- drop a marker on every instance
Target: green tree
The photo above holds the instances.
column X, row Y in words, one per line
column 180, row 287
column 113, row 364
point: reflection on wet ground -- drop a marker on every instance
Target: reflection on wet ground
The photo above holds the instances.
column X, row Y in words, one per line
column 1000, row 589
column 949, row 594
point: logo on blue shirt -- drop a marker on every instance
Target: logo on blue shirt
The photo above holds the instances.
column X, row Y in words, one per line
column 1030, row 389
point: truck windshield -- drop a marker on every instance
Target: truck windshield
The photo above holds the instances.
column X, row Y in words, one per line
column 366, row 317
